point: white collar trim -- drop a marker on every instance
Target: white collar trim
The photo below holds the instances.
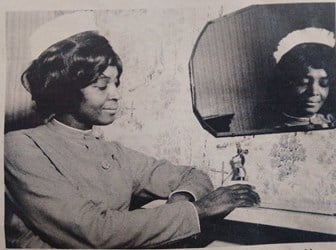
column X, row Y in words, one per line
column 74, row 129
column 299, row 118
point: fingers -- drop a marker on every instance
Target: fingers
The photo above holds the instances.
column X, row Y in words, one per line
column 236, row 187
column 256, row 197
column 245, row 189
column 242, row 191
column 250, row 198
column 240, row 186
column 239, row 189
column 238, row 197
column 245, row 203
column 244, row 194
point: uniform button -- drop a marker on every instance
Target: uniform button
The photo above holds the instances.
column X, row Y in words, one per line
column 97, row 133
column 105, row 165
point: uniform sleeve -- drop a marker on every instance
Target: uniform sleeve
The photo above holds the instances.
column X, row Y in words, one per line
column 162, row 179
column 55, row 210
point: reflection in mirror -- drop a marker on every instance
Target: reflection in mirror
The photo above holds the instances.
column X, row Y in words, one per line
column 266, row 69
column 301, row 85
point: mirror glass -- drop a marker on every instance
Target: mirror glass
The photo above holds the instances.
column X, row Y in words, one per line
column 266, row 69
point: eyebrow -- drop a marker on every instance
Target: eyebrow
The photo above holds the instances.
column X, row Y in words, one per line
column 104, row 76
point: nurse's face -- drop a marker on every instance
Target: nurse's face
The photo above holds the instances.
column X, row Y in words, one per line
column 307, row 94
column 99, row 104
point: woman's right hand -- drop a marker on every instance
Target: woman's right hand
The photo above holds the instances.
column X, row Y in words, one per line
column 224, row 200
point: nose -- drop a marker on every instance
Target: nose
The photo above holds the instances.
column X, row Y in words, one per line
column 113, row 92
column 313, row 88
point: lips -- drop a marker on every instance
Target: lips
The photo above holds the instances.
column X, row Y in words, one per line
column 111, row 107
column 110, row 110
column 313, row 99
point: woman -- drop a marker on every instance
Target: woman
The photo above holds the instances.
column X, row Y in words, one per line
column 68, row 188
column 304, row 82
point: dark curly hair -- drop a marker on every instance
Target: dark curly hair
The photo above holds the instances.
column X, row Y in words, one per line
column 56, row 76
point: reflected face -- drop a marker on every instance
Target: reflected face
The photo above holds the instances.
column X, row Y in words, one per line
column 307, row 94
column 99, row 104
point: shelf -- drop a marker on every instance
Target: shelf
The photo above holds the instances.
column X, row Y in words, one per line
column 287, row 219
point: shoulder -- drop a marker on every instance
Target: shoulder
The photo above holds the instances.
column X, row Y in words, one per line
column 23, row 134
column 16, row 137
column 328, row 118
column 23, row 153
column 17, row 141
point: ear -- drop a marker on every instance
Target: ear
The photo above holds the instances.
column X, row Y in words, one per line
column 25, row 82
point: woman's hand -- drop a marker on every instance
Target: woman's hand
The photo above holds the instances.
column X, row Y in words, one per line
column 224, row 200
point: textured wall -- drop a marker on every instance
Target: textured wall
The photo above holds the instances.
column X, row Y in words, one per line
column 289, row 170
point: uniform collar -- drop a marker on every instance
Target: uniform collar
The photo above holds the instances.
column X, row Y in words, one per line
column 299, row 119
column 68, row 131
column 75, row 130
column 303, row 121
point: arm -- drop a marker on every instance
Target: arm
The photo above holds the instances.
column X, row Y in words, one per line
column 56, row 211
column 161, row 179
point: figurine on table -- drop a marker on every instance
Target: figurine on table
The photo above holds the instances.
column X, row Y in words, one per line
column 237, row 164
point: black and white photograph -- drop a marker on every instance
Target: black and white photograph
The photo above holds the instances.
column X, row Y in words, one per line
column 169, row 125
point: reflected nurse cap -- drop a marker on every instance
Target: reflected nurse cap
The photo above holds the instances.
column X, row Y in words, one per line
column 59, row 29
column 307, row 35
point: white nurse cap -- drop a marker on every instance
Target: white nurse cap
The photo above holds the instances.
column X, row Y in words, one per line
column 59, row 29
column 307, row 35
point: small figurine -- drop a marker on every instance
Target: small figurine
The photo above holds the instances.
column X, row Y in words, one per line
column 237, row 163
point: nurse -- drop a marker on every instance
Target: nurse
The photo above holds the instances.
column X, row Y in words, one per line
column 304, row 82
column 66, row 187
